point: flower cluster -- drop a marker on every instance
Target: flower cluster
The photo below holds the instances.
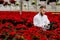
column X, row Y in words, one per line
column 14, row 26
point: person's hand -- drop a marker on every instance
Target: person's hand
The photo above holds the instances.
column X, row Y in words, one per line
column 46, row 26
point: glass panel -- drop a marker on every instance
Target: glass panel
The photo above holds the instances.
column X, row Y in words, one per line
column 29, row 5
column 58, row 6
column 51, row 5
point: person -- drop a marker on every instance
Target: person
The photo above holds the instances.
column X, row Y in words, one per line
column 41, row 20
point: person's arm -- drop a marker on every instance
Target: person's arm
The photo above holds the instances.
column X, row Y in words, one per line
column 47, row 23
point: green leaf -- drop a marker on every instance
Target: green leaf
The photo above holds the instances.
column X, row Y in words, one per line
column 21, row 38
column 14, row 39
column 9, row 26
column 6, row 38
column 57, row 3
column 15, row 29
column 35, row 38
column 33, row 3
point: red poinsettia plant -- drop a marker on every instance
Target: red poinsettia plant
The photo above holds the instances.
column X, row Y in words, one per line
column 20, row 27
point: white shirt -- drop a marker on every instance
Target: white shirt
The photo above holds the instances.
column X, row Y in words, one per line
column 40, row 21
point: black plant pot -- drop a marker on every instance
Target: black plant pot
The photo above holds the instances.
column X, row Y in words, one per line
column 52, row 27
column 42, row 0
column 10, row 37
column 20, row 28
column 2, row 36
column 12, row 21
column 26, row 0
column 1, row 2
column 4, row 21
column 33, row 3
column 29, row 25
column 13, row 2
column 35, row 38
